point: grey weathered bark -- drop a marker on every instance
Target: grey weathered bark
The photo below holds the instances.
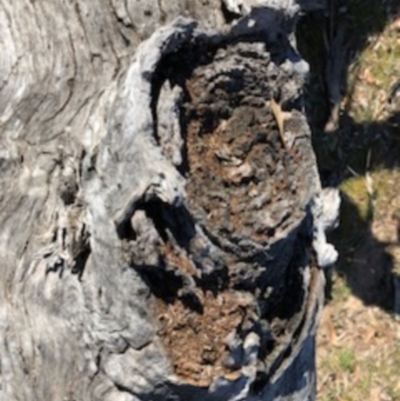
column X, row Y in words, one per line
column 156, row 221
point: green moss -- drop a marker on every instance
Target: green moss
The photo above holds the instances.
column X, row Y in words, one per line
column 340, row 290
column 355, row 190
column 358, row 207
column 347, row 360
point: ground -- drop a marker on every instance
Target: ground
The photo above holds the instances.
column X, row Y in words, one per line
column 358, row 149
column 358, row 350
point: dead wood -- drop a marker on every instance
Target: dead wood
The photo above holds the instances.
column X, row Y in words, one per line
column 156, row 234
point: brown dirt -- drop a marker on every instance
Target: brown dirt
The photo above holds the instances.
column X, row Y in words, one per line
column 195, row 341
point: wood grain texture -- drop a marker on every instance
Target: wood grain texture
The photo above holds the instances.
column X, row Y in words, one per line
column 113, row 271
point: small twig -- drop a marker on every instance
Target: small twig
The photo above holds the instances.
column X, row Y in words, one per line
column 368, row 164
column 352, row 171
column 369, row 184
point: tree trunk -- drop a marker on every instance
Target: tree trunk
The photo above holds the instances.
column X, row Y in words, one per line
column 160, row 202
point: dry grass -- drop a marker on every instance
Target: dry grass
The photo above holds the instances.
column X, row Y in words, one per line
column 358, row 351
column 373, row 74
column 358, row 346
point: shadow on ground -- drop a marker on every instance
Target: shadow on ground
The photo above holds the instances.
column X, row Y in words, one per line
column 331, row 41
column 364, row 260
